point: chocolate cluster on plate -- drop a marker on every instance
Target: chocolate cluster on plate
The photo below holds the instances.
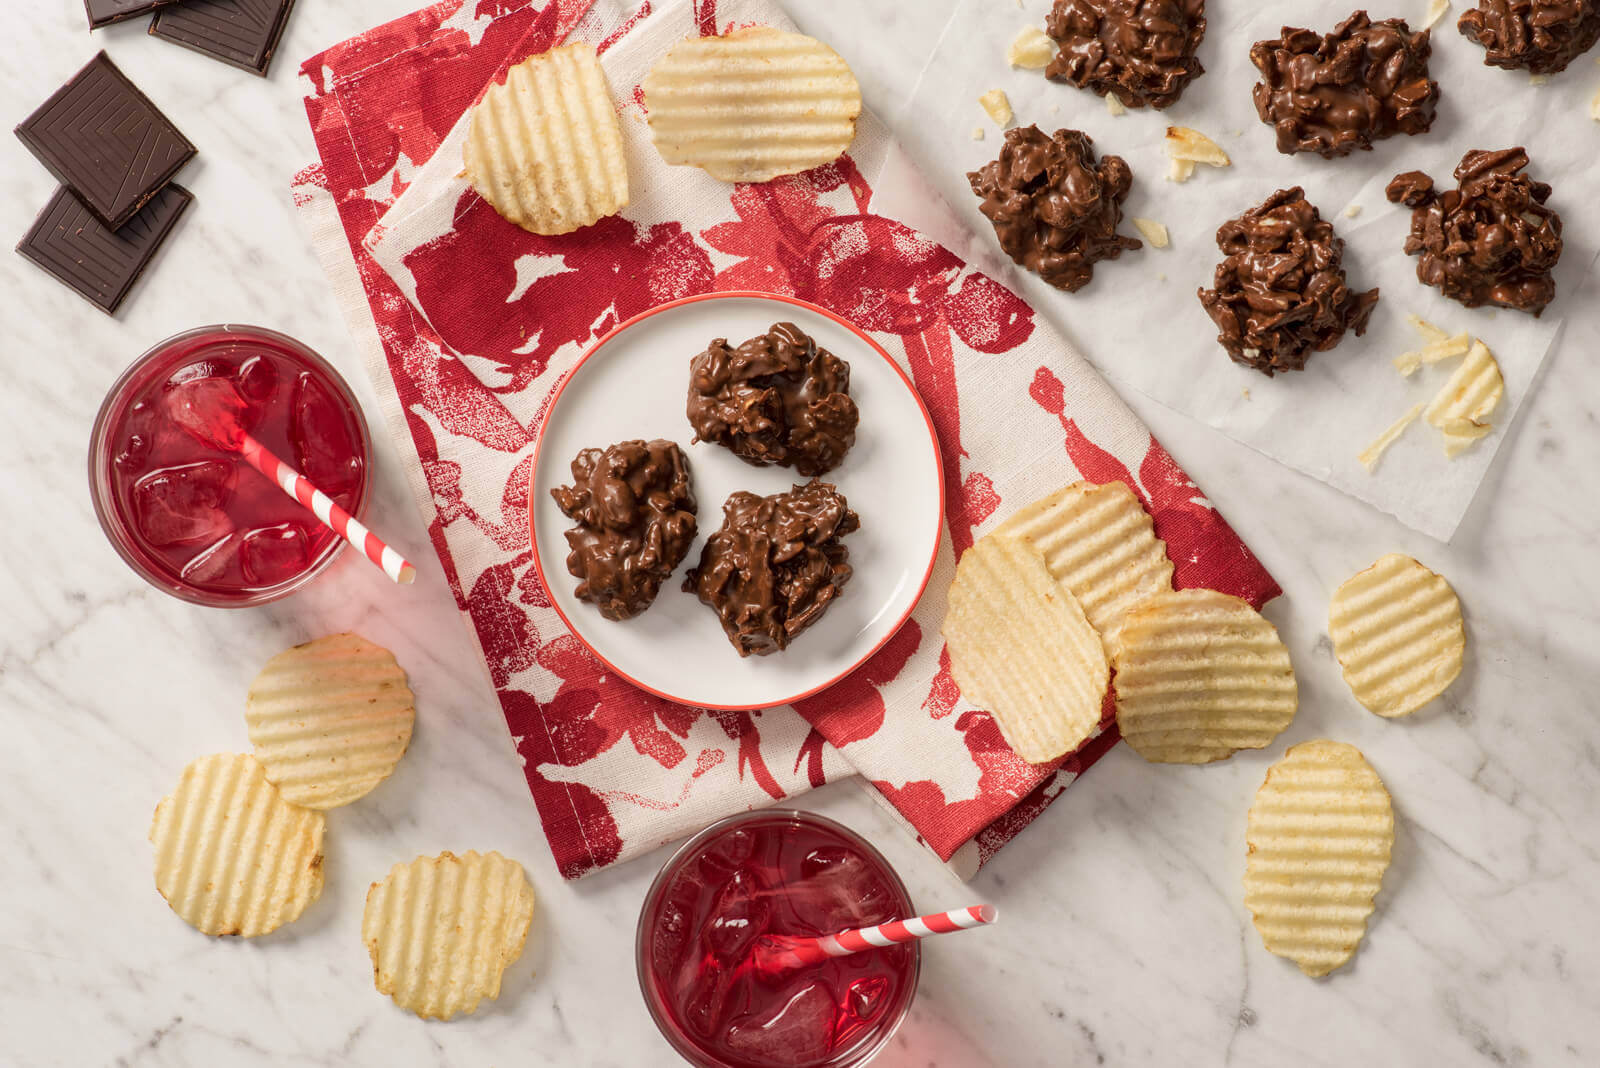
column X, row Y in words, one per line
column 1054, row 207
column 776, row 564
column 1490, row 241
column 1539, row 36
column 776, row 399
column 1141, row 50
column 1280, row 291
column 635, row 513
column 1337, row 92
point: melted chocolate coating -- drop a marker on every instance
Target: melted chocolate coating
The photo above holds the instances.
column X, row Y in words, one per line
column 776, row 399
column 1539, row 36
column 634, row 507
column 1491, row 241
column 1334, row 93
column 1141, row 50
column 775, row 565
column 1280, row 290
column 1054, row 209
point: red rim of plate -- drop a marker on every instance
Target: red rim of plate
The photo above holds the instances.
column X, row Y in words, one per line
column 738, row 294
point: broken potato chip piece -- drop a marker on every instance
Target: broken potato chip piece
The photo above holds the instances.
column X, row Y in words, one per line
column 443, row 930
column 1192, row 146
column 1021, row 647
column 1150, row 230
column 1098, row 542
column 545, row 147
column 1031, row 49
column 330, row 719
column 1200, row 675
column 1462, row 407
column 1370, row 455
column 232, row 857
column 1398, row 634
column 752, row 105
column 998, row 106
column 1319, row 837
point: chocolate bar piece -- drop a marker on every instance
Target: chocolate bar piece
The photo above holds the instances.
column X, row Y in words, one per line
column 243, row 33
column 102, row 137
column 105, row 12
column 99, row 263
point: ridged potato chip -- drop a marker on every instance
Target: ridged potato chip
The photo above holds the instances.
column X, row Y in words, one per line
column 1021, row 647
column 1462, row 407
column 1398, row 634
column 330, row 719
column 1199, row 676
column 232, row 857
column 1319, row 836
column 752, row 105
column 442, row 930
column 545, row 146
column 1099, row 542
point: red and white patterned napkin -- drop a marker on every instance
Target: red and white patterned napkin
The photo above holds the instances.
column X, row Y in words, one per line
column 468, row 322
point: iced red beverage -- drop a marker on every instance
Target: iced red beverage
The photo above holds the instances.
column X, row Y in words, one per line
column 772, row 874
column 190, row 515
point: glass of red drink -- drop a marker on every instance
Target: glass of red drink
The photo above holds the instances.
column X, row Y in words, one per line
column 776, row 872
column 196, row 520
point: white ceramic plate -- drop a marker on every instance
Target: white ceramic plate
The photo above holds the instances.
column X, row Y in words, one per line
column 633, row 384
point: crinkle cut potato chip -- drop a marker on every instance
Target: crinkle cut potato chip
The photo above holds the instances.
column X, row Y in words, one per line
column 232, row 857
column 545, row 147
column 1199, row 676
column 443, row 930
column 752, row 105
column 1398, row 634
column 1462, row 407
column 330, row 719
column 1021, row 647
column 1099, row 542
column 1319, row 836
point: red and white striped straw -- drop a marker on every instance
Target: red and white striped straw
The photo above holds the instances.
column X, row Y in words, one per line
column 795, row 952
column 326, row 510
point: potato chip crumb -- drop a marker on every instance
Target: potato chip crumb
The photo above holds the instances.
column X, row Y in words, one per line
column 1436, row 11
column 1114, row 105
column 1443, row 348
column 977, row 133
column 1246, row 394
column 1426, row 329
column 1538, row 79
column 1162, row 277
column 1352, row 211
column 1184, row 143
column 1594, row 107
column 1031, row 49
column 998, row 105
column 1182, row 170
column 1370, row 455
column 1153, row 232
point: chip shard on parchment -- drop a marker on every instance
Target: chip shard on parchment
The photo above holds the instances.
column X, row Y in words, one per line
column 998, row 106
column 1436, row 11
column 1370, row 455
column 330, row 719
column 1200, row 675
column 1319, row 836
column 232, row 857
column 545, row 148
column 1463, row 405
column 442, row 930
column 1192, row 146
column 1435, row 351
column 1153, row 232
column 752, row 105
column 1099, row 542
column 1115, row 106
column 1181, row 170
column 1021, row 647
column 1398, row 634
column 1031, row 49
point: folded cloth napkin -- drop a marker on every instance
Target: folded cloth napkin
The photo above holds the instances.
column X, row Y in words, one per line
column 467, row 323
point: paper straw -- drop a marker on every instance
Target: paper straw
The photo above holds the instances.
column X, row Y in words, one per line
column 789, row 952
column 329, row 513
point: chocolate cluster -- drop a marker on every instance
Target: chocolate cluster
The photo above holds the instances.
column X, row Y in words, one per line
column 1054, row 208
column 1280, row 291
column 635, row 514
column 776, row 564
column 1490, row 241
column 1141, row 50
column 776, row 399
column 1539, row 36
column 1334, row 93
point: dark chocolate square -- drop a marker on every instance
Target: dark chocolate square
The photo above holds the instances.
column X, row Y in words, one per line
column 102, row 137
column 105, row 12
column 243, row 33
column 98, row 263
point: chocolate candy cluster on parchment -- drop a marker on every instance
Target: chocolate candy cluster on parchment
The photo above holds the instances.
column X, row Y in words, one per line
column 776, row 564
column 635, row 513
column 776, row 399
column 1334, row 93
column 1280, row 291
column 1141, row 50
column 1490, row 241
column 1055, row 208
column 1539, row 36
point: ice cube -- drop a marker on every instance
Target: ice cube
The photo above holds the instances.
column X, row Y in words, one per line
column 798, row 1030
column 210, row 408
column 184, row 504
column 727, row 855
column 211, row 563
column 838, row 890
column 324, row 449
column 139, row 428
column 865, row 996
column 258, row 379
column 739, row 914
column 274, row 554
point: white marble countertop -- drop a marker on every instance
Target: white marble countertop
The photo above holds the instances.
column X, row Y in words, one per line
column 1123, row 940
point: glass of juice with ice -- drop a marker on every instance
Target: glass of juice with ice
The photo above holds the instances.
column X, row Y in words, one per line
column 760, row 875
column 195, row 519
